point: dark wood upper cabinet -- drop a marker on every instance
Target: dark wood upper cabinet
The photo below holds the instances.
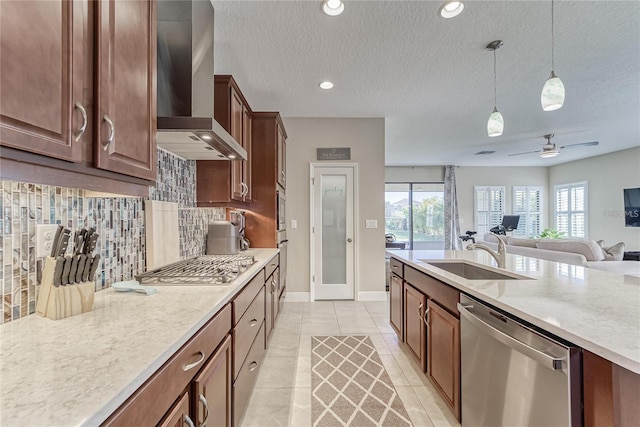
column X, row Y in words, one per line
column 282, row 158
column 125, row 113
column 220, row 181
column 42, row 108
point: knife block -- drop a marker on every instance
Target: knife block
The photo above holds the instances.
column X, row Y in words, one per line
column 58, row 302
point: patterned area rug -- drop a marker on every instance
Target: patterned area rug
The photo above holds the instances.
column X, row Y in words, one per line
column 350, row 386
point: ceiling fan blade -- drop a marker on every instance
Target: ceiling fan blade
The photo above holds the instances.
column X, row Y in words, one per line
column 519, row 154
column 581, row 144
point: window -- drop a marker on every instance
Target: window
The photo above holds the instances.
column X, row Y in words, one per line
column 527, row 202
column 571, row 209
column 414, row 214
column 488, row 208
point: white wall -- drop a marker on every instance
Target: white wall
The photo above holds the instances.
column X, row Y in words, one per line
column 366, row 139
column 607, row 176
column 414, row 174
column 468, row 177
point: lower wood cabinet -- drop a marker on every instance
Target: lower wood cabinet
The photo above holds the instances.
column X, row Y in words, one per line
column 395, row 308
column 212, row 389
column 178, row 416
column 415, row 333
column 247, row 377
column 443, row 354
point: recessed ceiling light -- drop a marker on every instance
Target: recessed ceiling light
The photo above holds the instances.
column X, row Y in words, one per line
column 326, row 85
column 333, row 7
column 451, row 9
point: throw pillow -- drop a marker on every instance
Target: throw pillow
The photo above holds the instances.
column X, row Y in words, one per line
column 613, row 253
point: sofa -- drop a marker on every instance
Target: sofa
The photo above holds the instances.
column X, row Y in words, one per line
column 584, row 252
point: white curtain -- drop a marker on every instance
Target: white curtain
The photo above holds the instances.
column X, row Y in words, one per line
column 451, row 221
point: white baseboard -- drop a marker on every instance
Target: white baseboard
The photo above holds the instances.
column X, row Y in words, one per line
column 297, row 296
column 372, row 296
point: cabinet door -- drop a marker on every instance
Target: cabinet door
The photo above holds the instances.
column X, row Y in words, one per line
column 246, row 144
column 443, row 358
column 178, row 416
column 212, row 389
column 41, row 75
column 125, row 122
column 282, row 158
column 395, row 309
column 415, row 303
column 237, row 114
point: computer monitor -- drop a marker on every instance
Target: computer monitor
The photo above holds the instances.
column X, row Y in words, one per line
column 510, row 222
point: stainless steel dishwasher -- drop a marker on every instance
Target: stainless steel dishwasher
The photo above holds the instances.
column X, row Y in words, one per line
column 513, row 375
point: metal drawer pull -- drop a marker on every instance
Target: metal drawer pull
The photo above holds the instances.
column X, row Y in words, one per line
column 426, row 313
column 420, row 310
column 253, row 322
column 274, row 286
column 253, row 366
column 395, row 267
column 203, row 400
column 112, row 133
column 194, row 364
column 188, row 422
column 85, row 121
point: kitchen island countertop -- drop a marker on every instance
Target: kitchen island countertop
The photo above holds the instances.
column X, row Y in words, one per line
column 596, row 310
column 78, row 370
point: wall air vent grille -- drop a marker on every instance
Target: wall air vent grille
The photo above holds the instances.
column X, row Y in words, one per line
column 484, row 153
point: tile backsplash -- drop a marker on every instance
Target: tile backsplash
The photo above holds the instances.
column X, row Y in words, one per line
column 118, row 220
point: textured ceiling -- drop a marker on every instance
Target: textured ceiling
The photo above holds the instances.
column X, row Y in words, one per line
column 432, row 79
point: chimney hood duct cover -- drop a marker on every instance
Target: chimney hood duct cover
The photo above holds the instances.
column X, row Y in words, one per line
column 185, row 84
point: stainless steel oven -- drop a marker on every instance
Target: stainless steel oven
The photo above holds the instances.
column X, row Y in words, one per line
column 280, row 200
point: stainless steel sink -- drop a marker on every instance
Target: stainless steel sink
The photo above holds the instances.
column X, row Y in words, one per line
column 473, row 272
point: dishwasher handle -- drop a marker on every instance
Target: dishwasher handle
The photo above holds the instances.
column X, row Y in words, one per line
column 550, row 362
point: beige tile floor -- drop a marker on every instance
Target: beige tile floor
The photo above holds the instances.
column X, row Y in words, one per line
column 282, row 395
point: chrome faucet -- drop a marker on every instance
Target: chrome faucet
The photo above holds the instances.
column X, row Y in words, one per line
column 499, row 256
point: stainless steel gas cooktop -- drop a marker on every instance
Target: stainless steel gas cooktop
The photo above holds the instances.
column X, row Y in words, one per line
column 202, row 270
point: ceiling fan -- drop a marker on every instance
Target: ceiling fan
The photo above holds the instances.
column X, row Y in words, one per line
column 550, row 150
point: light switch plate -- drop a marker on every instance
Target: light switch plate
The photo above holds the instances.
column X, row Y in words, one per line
column 294, row 223
column 44, row 239
column 371, row 223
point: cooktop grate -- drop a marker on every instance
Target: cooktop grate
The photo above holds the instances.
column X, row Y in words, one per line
column 204, row 270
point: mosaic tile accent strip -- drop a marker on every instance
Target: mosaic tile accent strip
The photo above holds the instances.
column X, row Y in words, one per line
column 119, row 221
column 192, row 226
column 350, row 386
column 176, row 180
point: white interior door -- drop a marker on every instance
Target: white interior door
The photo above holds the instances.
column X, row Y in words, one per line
column 333, row 240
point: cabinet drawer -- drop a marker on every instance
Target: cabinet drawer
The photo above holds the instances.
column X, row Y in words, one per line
column 150, row 402
column 245, row 331
column 272, row 265
column 397, row 267
column 244, row 299
column 446, row 296
column 247, row 377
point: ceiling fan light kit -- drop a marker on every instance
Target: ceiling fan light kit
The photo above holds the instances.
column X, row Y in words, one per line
column 451, row 9
column 495, row 125
column 552, row 96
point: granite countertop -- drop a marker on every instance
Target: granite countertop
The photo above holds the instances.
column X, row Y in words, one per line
column 78, row 370
column 596, row 310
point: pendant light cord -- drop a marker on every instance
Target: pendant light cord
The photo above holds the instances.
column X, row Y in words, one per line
column 553, row 66
column 495, row 90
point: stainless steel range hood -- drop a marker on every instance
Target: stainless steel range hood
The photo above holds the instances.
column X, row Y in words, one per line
column 185, row 84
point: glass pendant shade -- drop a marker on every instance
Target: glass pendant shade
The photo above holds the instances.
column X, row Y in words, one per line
column 552, row 96
column 546, row 154
column 495, row 125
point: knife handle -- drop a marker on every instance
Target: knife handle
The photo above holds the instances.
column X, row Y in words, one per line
column 94, row 267
column 57, row 272
column 86, row 269
column 67, row 268
column 72, row 270
column 81, row 266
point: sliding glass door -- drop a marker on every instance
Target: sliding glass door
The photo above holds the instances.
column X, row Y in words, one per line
column 414, row 214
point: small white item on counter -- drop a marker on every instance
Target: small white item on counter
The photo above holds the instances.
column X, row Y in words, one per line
column 133, row 285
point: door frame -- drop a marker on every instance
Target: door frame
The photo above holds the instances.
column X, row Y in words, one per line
column 356, row 247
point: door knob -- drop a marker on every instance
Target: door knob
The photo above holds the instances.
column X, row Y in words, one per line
column 349, row 240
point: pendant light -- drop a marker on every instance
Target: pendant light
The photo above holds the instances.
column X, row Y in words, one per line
column 552, row 96
column 495, row 125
